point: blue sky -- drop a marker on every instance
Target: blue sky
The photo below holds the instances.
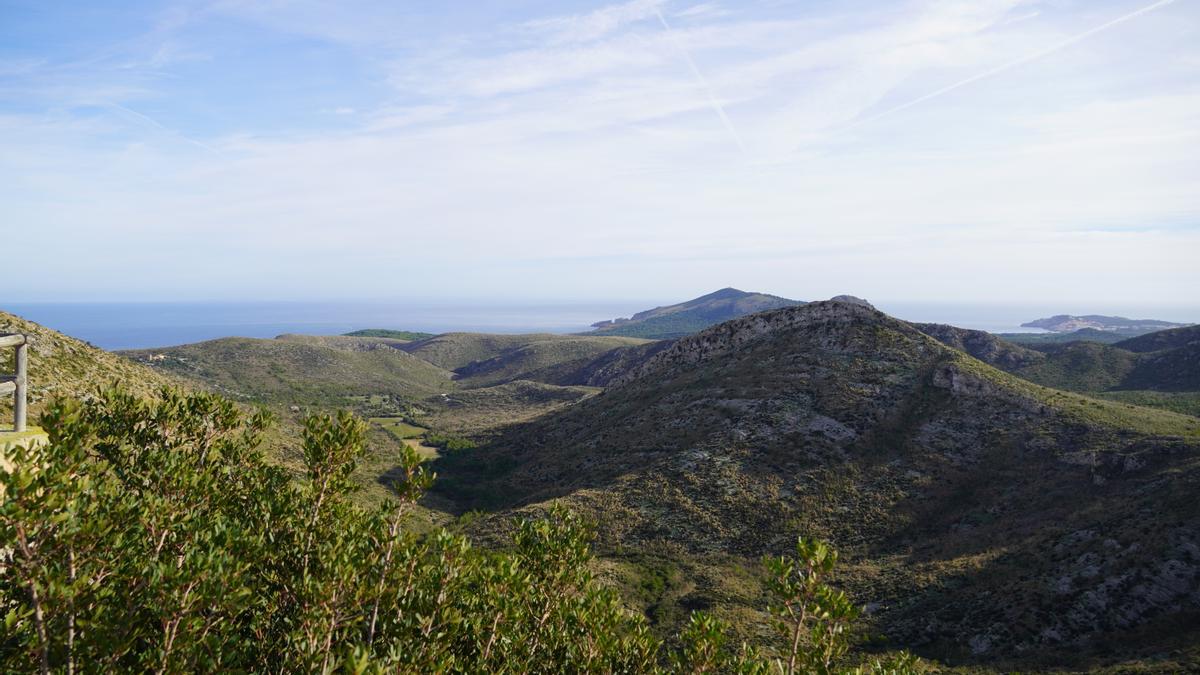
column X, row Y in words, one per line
column 990, row 150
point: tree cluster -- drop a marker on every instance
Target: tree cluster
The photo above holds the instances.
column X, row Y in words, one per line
column 153, row 535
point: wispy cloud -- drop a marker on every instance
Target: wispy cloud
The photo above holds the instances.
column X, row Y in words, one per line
column 708, row 90
column 1023, row 60
column 496, row 144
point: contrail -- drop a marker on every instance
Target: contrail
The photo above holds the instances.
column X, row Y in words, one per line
column 1014, row 63
column 154, row 123
column 708, row 90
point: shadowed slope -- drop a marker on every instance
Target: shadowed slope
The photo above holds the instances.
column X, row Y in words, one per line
column 931, row 469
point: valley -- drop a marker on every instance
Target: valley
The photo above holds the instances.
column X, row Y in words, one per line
column 999, row 506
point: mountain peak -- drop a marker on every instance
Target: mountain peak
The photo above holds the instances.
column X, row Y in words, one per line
column 686, row 318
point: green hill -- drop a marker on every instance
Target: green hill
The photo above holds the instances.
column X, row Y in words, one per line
column 1163, row 339
column 484, row 359
column 1038, row 340
column 406, row 335
column 295, row 370
column 1159, row 370
column 482, row 412
column 348, row 343
column 958, row 493
column 689, row 317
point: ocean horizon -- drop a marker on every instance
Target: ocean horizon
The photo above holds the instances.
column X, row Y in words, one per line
column 145, row 325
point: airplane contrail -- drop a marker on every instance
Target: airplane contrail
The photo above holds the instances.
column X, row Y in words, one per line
column 154, row 123
column 1014, row 63
column 708, row 90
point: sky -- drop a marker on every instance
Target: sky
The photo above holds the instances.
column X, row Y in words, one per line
column 523, row 150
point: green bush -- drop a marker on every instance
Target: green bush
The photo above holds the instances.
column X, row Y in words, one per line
column 154, row 536
column 448, row 443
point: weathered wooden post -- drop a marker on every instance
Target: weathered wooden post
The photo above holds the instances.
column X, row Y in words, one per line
column 18, row 383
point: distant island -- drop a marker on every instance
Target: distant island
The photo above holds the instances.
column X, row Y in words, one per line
column 1066, row 323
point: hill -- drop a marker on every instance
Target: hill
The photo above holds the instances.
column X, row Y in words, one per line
column 1065, row 323
column 989, row 348
column 349, row 343
column 298, row 370
column 998, row 522
column 1163, row 339
column 484, row 359
column 406, row 335
column 63, row 365
column 1039, row 340
column 689, row 317
column 1160, row 370
column 480, row 413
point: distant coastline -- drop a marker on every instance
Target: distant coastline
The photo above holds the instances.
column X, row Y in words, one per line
column 145, row 325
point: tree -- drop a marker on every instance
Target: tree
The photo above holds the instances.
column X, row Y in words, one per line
column 153, row 535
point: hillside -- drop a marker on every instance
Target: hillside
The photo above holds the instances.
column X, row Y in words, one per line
column 1065, row 323
column 485, row 359
column 1163, row 339
column 689, row 317
column 1138, row 370
column 406, row 335
column 63, row 365
column 1040, row 340
column 479, row 413
column 986, row 347
column 350, row 343
column 298, row 370
column 997, row 522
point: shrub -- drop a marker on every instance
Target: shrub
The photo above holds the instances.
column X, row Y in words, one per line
column 154, row 536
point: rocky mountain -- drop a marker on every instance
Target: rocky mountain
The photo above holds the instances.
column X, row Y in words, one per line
column 994, row 521
column 685, row 318
column 1065, row 323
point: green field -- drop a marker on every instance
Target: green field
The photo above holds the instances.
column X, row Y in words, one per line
column 410, row 434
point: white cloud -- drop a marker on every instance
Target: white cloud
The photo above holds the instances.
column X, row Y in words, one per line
column 583, row 148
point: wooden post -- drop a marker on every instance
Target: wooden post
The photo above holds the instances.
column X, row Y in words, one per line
column 21, row 394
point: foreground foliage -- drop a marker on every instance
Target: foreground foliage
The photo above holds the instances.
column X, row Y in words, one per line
column 153, row 535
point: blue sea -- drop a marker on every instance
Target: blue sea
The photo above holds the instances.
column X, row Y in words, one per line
column 158, row 324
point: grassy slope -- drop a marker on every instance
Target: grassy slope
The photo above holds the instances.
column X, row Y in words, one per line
column 543, row 360
column 62, row 365
column 1163, row 339
column 344, row 342
column 1158, row 370
column 406, row 335
column 1081, row 366
column 454, row 351
column 482, row 412
column 283, row 371
column 1037, row 340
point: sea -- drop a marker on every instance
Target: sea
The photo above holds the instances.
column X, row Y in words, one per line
column 143, row 325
